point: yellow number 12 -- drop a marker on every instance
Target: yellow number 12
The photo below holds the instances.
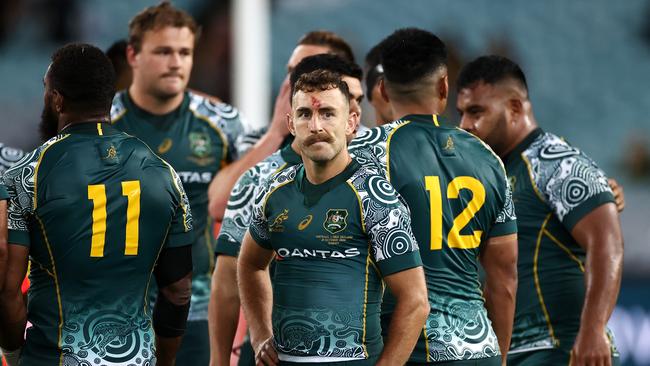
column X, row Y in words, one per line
column 97, row 194
column 454, row 238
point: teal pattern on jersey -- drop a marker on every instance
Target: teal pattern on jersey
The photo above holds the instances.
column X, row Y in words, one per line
column 408, row 151
column 352, row 226
column 238, row 213
column 554, row 186
column 8, row 157
column 87, row 301
column 197, row 139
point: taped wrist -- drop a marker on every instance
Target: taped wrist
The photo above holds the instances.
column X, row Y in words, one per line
column 169, row 320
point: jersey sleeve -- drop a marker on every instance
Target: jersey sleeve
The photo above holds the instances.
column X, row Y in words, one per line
column 387, row 222
column 19, row 183
column 3, row 192
column 259, row 226
column 575, row 187
column 506, row 221
column 180, row 230
column 238, row 214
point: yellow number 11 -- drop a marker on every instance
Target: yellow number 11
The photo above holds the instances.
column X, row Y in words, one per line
column 454, row 239
column 97, row 194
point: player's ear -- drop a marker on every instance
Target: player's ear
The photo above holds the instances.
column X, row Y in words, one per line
column 130, row 55
column 57, row 101
column 352, row 123
column 382, row 90
column 290, row 125
column 515, row 108
column 443, row 87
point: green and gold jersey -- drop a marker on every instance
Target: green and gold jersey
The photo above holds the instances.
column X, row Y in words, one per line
column 333, row 242
column 95, row 207
column 458, row 194
column 197, row 139
column 554, row 186
column 238, row 213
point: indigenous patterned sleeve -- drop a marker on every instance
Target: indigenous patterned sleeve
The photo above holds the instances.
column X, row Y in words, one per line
column 259, row 226
column 506, row 222
column 19, row 181
column 387, row 221
column 8, row 157
column 371, row 146
column 238, row 213
column 227, row 119
column 180, row 231
column 569, row 181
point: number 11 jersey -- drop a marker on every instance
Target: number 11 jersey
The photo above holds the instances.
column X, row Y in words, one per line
column 95, row 207
column 458, row 194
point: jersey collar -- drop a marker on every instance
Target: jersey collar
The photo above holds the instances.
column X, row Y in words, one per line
column 523, row 145
column 424, row 118
column 290, row 156
column 90, row 128
column 313, row 192
column 160, row 120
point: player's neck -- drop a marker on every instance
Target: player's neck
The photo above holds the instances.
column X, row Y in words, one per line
column 518, row 134
column 401, row 109
column 67, row 119
column 152, row 104
column 318, row 173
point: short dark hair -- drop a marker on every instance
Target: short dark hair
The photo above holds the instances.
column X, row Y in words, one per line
column 491, row 70
column 325, row 61
column 117, row 54
column 156, row 17
column 84, row 76
column 410, row 54
column 374, row 69
column 333, row 41
column 320, row 80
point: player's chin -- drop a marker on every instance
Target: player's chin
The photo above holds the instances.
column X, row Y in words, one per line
column 320, row 155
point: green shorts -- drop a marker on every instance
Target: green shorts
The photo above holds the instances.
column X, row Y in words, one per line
column 490, row 361
column 556, row 356
column 195, row 346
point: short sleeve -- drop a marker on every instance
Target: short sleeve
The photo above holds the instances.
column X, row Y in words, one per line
column 576, row 187
column 388, row 224
column 180, row 231
column 238, row 214
column 259, row 226
column 19, row 183
column 3, row 192
column 506, row 221
column 236, row 129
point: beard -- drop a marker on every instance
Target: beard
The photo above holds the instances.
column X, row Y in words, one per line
column 49, row 125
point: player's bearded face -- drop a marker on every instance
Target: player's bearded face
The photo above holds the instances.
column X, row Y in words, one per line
column 162, row 67
column 49, row 124
column 321, row 121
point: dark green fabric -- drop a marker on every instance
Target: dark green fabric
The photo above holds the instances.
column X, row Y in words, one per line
column 558, row 356
column 195, row 346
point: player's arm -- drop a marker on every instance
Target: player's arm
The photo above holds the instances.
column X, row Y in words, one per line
column 13, row 311
column 223, row 310
column 411, row 311
column 221, row 185
column 499, row 260
column 257, row 298
column 599, row 233
column 173, row 273
column 619, row 196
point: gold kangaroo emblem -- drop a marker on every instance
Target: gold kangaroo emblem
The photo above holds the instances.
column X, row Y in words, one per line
column 450, row 144
column 111, row 153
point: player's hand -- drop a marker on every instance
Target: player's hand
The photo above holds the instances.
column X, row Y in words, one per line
column 591, row 348
column 281, row 109
column 619, row 197
column 265, row 354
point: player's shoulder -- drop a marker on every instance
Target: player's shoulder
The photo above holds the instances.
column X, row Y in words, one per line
column 369, row 182
column 25, row 168
column 218, row 114
column 549, row 148
column 279, row 179
column 9, row 156
column 118, row 106
column 262, row 171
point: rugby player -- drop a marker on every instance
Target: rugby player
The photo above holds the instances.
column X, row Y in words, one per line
column 374, row 73
column 224, row 300
column 570, row 241
column 96, row 213
column 461, row 205
column 338, row 229
column 196, row 136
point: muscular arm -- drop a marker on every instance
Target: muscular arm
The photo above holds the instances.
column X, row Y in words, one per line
column 599, row 233
column 174, row 277
column 499, row 259
column 3, row 242
column 13, row 312
column 223, row 311
column 257, row 296
column 411, row 311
